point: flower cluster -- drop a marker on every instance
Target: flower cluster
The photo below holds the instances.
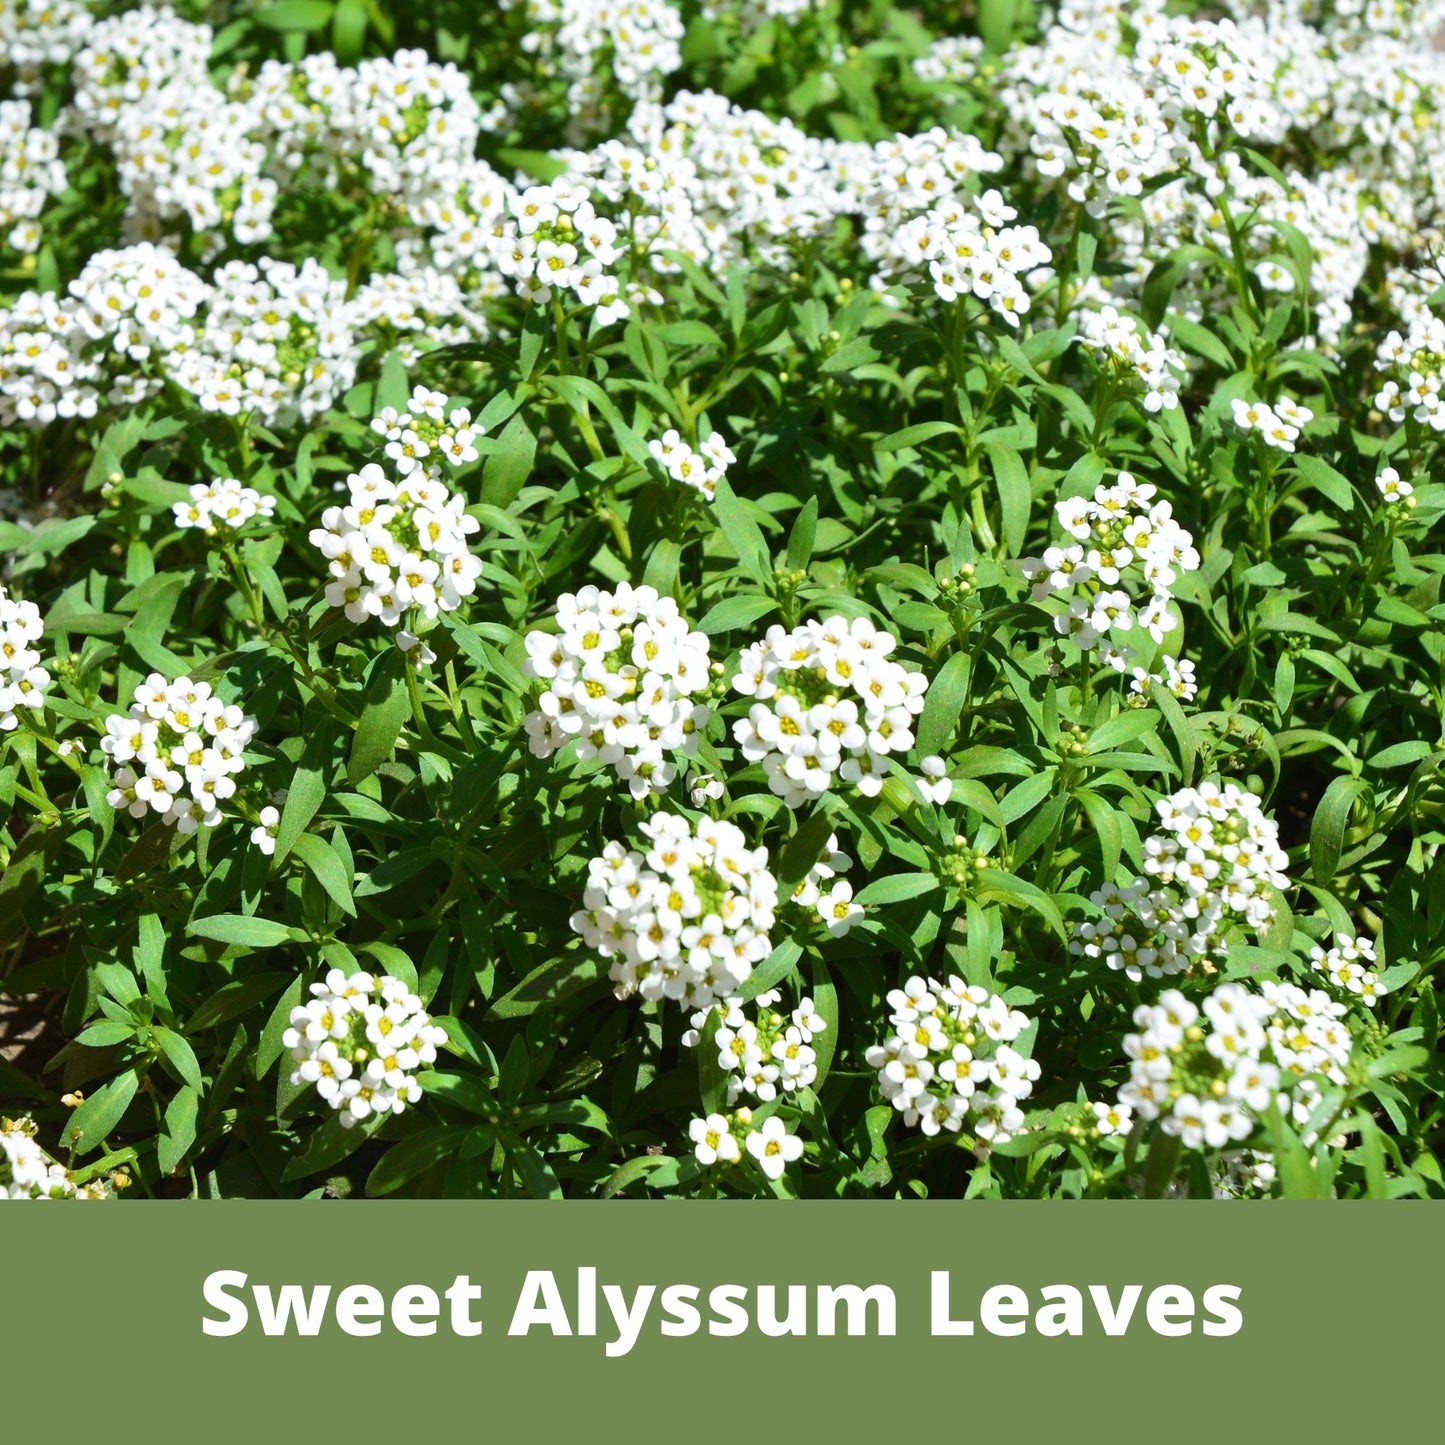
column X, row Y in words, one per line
column 26, row 1171
column 632, row 44
column 702, row 469
column 1133, row 354
column 22, row 679
column 1218, row 846
column 1122, row 539
column 769, row 1144
column 361, row 1041
column 31, row 173
column 1211, row 1076
column 950, row 1061
column 553, row 242
column 429, row 433
column 773, row 1051
column 397, row 547
column 686, row 919
column 1413, row 365
column 1177, row 677
column 967, row 248
column 1278, row 426
column 828, row 895
column 177, row 752
column 624, row 679
column 1216, row 858
column 829, row 700
column 225, row 503
column 1144, row 933
column 1349, row 964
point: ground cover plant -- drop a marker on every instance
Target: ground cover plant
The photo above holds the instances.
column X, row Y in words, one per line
column 769, row 597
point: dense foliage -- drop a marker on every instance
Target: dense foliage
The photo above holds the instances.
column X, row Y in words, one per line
column 770, row 596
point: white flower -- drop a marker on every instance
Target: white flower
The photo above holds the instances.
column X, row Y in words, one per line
column 828, row 702
column 361, row 1041
column 950, row 1049
column 624, row 677
column 26, row 1171
column 180, row 749
column 1112, row 1118
column 264, row 834
column 773, row 1147
column 225, row 503
column 397, row 547
column 713, row 1140
column 23, row 682
column 686, row 919
column 837, row 909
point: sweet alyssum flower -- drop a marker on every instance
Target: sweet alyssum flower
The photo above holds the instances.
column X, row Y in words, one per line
column 1123, row 540
column 1217, row 845
column 263, row 835
column 1278, row 426
column 1216, row 859
column 361, row 1040
column 1210, row 1072
column 397, row 547
column 950, row 1062
column 625, row 677
column 177, row 752
column 22, row 679
column 1132, row 353
column 773, row 1148
column 225, row 503
column 1349, row 964
column 713, row 1140
column 687, row 918
column 769, row 1052
column 430, row 435
column 702, row 469
column 26, row 1171
column 830, row 703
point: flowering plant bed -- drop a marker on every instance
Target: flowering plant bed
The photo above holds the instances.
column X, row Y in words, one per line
column 763, row 597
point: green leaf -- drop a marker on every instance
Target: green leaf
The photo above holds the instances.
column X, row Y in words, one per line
column 305, row 793
column 1193, row 337
column 800, row 539
column 1015, row 499
column 911, row 436
column 270, row 1047
column 175, row 1140
column 330, row 1144
column 734, row 613
column 712, row 1078
column 238, row 929
column 1326, row 480
column 1161, row 1164
column 382, row 716
column 943, row 704
column 181, row 1056
column 406, row 1160
column 235, row 998
column 303, row 15
column 536, row 1173
column 897, row 888
column 804, row 849
column 509, row 464
column 320, row 858
column 99, row 1114
column 1327, row 831
column 106, row 1035
column 742, row 535
column 773, row 969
